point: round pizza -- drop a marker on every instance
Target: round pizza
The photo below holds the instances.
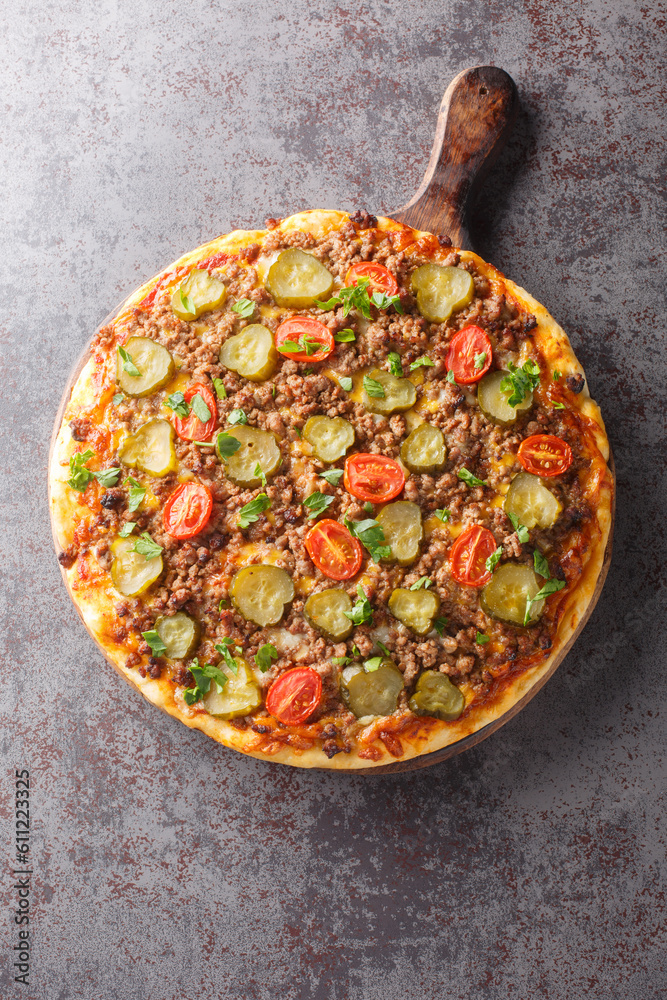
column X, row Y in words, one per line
column 333, row 492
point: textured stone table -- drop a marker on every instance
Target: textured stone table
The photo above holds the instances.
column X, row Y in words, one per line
column 166, row 866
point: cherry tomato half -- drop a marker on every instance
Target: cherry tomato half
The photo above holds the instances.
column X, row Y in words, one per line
column 468, row 555
column 187, row 510
column 373, row 477
column 191, row 428
column 467, row 345
column 294, row 696
column 309, row 335
column 381, row 280
column 545, row 455
column 333, row 550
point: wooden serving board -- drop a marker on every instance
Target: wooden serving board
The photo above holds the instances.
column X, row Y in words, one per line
column 477, row 113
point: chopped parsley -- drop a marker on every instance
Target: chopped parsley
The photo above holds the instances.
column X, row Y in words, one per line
column 443, row 514
column 557, row 374
column 252, row 510
column 340, row 661
column 370, row 666
column 80, row 476
column 480, row 360
column 158, row 648
column 203, row 676
column 395, row 364
column 145, row 546
column 422, row 363
column 450, row 377
column 200, row 409
column 371, row 536
column 469, row 479
column 226, row 445
column 219, row 387
column 345, row 383
column 521, row 529
column 355, row 297
column 127, row 529
column 439, row 624
column 244, row 308
column 541, row 565
column 361, row 611
column 225, row 649
column 480, row 638
column 382, row 301
column 237, row 416
column 382, row 646
column 494, row 559
column 317, row 503
column 550, row 587
column 177, row 403
column 559, row 406
column 345, row 336
column 128, row 364
column 369, row 507
column 519, row 382
column 306, row 344
column 118, row 398
column 373, row 388
column 258, row 472
column 137, row 494
column 424, row 582
column 264, row 655
column 332, row 476
column 187, row 305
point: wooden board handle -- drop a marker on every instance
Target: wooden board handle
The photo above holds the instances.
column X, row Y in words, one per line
column 476, row 116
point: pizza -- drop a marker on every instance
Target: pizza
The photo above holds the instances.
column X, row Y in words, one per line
column 333, row 492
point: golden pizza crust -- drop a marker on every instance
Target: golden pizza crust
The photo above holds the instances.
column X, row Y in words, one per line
column 91, row 591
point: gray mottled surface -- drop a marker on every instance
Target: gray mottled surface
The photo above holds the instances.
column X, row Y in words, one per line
column 168, row 867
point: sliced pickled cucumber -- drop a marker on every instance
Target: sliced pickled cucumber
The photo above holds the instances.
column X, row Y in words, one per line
column 403, row 530
column 326, row 612
column 436, row 695
column 530, row 500
column 441, row 291
column 150, row 449
column 153, row 362
column 251, row 353
column 371, row 693
column 507, row 593
column 199, row 293
column 493, row 401
column 257, row 448
column 329, row 436
column 415, row 608
column 132, row 573
column 239, row 696
column 399, row 393
column 180, row 633
column 260, row 593
column 296, row 279
column 424, row 449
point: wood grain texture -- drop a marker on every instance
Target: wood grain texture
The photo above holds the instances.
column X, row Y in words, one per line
column 476, row 116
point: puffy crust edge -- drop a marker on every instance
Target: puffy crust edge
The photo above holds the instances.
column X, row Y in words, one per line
column 94, row 598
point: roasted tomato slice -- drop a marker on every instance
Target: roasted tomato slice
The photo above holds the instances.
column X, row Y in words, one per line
column 333, row 550
column 191, row 428
column 373, row 478
column 294, row 696
column 187, row 510
column 468, row 555
column 469, row 355
column 304, row 339
column 545, row 455
column 381, row 280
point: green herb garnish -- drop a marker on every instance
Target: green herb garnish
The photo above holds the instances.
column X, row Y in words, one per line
column 200, row 409
column 177, row 403
column 128, row 364
column 443, row 514
column 345, row 383
column 481, row 638
column 551, row 587
column 127, row 529
column 237, row 416
column 520, row 381
column 362, row 611
column 137, row 493
column 557, row 374
column 252, row 510
column 244, row 308
column 479, row 363
column 450, row 377
column 494, row 559
column 373, row 388
column 219, row 387
column 155, row 642
column 422, row 363
column 371, row 536
column 424, row 582
column 224, row 647
column 439, row 624
column 145, row 546
column 203, row 676
column 541, row 565
column 260, row 475
column 340, row 661
column 264, row 655
column 345, row 336
column 469, row 479
column 226, row 445
column 395, row 364
column 118, row 398
column 521, row 530
column 332, row 476
column 187, row 305
column 317, row 503
column 371, row 665
column 559, row 406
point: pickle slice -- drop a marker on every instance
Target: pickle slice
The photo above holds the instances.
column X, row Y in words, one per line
column 530, row 500
column 436, row 695
column 296, row 279
column 399, row 393
column 132, row 573
column 239, row 696
column 424, row 449
column 326, row 612
column 403, row 530
column 441, row 291
column 507, row 593
column 329, row 436
column 415, row 608
column 199, row 293
column 251, row 353
column 257, row 448
column 154, row 362
column 260, row 593
column 150, row 449
column 493, row 401
column 371, row 693
column 180, row 633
